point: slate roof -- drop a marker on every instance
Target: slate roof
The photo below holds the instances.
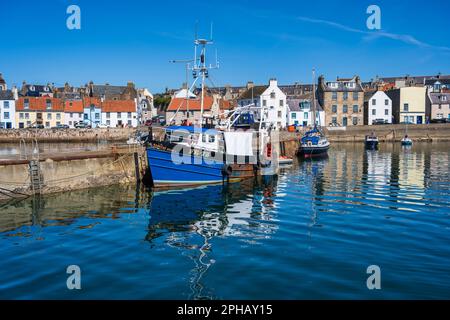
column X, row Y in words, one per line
column 6, row 95
column 38, row 89
column 254, row 92
column 430, row 82
column 99, row 90
column 435, row 98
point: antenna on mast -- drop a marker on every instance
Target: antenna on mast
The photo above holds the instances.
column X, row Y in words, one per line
column 211, row 34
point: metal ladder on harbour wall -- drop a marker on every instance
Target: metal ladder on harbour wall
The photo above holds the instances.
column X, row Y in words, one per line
column 36, row 178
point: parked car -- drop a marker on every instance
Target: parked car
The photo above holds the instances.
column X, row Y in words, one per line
column 102, row 126
column 82, row 125
column 37, row 126
column 443, row 120
column 61, row 126
column 379, row 121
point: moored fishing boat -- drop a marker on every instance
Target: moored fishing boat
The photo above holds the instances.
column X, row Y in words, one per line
column 314, row 142
column 191, row 156
column 371, row 142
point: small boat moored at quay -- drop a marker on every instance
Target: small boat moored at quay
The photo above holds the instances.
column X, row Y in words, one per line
column 371, row 142
column 406, row 141
column 314, row 142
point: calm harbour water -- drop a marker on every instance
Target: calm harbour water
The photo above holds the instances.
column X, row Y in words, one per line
column 311, row 233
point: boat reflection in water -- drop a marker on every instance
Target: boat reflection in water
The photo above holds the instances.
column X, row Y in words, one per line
column 189, row 219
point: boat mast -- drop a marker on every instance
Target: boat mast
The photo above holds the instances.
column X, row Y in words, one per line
column 200, row 67
column 314, row 97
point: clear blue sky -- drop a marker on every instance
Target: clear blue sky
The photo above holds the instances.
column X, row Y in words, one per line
column 134, row 40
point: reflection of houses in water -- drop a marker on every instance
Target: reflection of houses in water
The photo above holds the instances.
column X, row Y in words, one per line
column 66, row 208
column 411, row 171
column 344, row 167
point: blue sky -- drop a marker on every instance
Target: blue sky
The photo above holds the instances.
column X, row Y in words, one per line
column 134, row 40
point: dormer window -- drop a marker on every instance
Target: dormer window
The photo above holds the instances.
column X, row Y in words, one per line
column 46, row 89
column 272, row 95
column 333, row 85
column 26, row 104
column 32, row 88
column 48, row 104
column 350, row 85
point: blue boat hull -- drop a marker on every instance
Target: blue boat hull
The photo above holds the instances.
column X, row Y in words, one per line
column 192, row 172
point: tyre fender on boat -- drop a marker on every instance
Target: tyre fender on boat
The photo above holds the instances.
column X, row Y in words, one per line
column 227, row 170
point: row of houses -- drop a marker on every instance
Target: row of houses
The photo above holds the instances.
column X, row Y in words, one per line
column 93, row 105
column 341, row 102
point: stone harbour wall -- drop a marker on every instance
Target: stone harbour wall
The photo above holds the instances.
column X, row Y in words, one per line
column 66, row 135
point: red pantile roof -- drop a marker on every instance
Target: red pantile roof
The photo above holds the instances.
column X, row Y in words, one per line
column 40, row 104
column 193, row 104
column 118, row 106
column 75, row 106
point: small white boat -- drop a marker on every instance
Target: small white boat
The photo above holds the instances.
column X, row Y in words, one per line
column 406, row 141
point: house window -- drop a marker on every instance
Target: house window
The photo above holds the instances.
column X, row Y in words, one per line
column 355, row 95
column 334, row 95
column 48, row 104
column 58, row 116
column 345, row 95
column 6, row 104
column 80, row 115
column 86, row 116
column 47, row 124
column 58, row 123
column 26, row 103
column 386, row 112
column 108, row 115
column 279, row 114
column 344, row 121
column 374, row 102
column 211, row 138
column 344, row 108
column 129, row 123
column 294, row 115
column 49, row 116
column 355, row 108
column 119, row 115
column 6, row 115
column 305, row 115
column 28, row 123
column 374, row 112
column 443, row 98
column 386, row 102
column 272, row 95
column 27, row 115
column 281, row 103
column 21, row 116
column 71, row 115
column 334, row 108
column 355, row 121
column 108, row 122
column 70, row 123
column 97, row 116
column 264, row 103
column 406, row 107
column 129, row 115
column 334, row 120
